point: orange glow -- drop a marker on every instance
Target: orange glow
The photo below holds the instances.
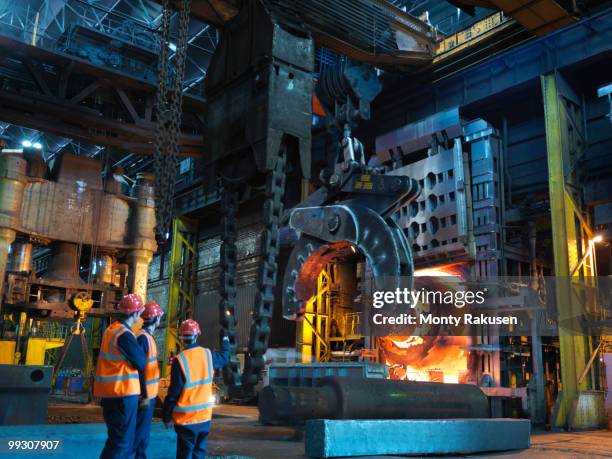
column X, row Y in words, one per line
column 408, row 342
column 428, row 358
column 439, row 271
column 416, row 358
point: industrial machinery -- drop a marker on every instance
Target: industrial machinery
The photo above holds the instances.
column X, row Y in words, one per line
column 270, row 127
column 259, row 107
column 93, row 244
column 353, row 209
column 453, row 229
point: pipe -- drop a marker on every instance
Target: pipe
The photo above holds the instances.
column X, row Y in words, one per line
column 358, row 398
column 12, row 185
column 143, row 233
column 21, row 257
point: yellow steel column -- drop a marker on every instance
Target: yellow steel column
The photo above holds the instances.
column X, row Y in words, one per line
column 312, row 337
column 181, row 284
column 565, row 247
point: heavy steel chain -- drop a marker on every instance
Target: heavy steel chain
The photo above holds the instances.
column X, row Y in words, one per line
column 266, row 281
column 227, row 288
column 168, row 109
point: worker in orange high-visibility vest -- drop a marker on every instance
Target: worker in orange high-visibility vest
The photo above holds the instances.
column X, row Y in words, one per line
column 188, row 405
column 119, row 377
column 151, row 317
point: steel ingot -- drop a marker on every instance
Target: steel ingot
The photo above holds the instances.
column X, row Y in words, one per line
column 105, row 269
column 361, row 398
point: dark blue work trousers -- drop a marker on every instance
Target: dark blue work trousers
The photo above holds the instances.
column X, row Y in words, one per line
column 120, row 418
column 191, row 440
column 143, row 430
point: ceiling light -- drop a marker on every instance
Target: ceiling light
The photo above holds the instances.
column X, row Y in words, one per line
column 26, row 143
column 37, row 145
column 597, row 239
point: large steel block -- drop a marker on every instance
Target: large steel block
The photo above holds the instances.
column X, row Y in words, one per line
column 346, row 438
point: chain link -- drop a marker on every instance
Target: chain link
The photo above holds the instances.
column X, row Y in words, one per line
column 263, row 308
column 227, row 290
column 168, row 109
column 266, row 282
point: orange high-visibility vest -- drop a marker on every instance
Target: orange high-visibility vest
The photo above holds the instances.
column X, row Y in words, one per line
column 194, row 405
column 151, row 368
column 115, row 377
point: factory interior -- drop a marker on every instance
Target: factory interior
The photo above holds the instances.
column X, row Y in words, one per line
column 264, row 168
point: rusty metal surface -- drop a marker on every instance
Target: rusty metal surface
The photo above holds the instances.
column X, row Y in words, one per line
column 70, row 169
column 24, row 392
column 74, row 208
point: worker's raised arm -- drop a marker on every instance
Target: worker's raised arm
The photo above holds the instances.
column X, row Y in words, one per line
column 220, row 358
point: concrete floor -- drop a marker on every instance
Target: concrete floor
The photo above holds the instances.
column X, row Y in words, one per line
column 237, row 434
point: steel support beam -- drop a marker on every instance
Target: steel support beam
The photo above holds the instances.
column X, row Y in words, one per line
column 181, row 284
column 568, row 240
column 538, row 16
column 63, row 95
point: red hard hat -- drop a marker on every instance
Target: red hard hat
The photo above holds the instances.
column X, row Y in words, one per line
column 189, row 328
column 131, row 303
column 152, row 310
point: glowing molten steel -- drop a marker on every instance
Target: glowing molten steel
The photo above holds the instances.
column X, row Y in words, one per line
column 428, row 358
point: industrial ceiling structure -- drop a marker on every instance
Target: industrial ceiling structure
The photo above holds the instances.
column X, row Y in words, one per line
column 101, row 58
column 93, row 45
